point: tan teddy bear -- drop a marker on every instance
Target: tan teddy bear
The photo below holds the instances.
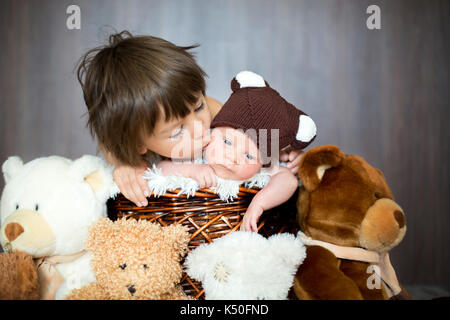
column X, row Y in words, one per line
column 136, row 260
column 18, row 277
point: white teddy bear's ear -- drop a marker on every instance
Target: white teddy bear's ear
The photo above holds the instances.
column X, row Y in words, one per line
column 11, row 168
column 289, row 248
column 95, row 172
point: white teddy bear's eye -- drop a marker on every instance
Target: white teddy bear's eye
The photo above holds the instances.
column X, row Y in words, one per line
column 17, row 206
column 36, row 207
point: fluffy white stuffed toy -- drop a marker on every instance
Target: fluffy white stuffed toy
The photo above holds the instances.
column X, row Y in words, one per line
column 46, row 208
column 246, row 266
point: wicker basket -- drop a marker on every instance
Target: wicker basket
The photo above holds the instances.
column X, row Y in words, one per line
column 207, row 218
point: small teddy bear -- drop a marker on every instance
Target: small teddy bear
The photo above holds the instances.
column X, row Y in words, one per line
column 246, row 266
column 18, row 277
column 134, row 260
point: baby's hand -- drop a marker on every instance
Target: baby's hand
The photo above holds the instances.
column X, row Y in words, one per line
column 292, row 157
column 251, row 217
column 204, row 175
column 131, row 183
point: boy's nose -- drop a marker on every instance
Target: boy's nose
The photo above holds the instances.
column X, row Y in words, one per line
column 207, row 137
column 198, row 130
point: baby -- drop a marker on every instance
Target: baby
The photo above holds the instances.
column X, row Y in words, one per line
column 254, row 120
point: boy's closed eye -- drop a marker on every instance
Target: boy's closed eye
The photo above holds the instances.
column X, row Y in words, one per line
column 177, row 132
column 200, row 107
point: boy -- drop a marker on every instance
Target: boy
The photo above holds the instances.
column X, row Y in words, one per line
column 146, row 100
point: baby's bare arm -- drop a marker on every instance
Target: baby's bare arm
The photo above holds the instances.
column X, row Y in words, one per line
column 169, row 168
column 279, row 189
column 202, row 173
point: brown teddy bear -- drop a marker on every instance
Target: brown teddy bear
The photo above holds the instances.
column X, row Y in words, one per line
column 18, row 277
column 136, row 260
column 350, row 221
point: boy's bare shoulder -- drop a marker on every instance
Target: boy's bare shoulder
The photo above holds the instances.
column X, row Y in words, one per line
column 214, row 106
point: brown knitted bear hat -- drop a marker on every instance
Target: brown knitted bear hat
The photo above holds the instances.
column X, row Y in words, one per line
column 253, row 104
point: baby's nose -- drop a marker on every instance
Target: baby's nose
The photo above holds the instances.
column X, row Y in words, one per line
column 231, row 157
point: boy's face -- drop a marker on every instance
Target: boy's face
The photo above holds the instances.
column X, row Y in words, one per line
column 182, row 138
column 232, row 154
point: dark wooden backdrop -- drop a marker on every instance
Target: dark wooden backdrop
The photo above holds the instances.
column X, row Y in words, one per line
column 382, row 94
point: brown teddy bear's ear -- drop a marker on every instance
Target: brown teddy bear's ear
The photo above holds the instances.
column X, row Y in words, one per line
column 98, row 234
column 314, row 163
column 179, row 236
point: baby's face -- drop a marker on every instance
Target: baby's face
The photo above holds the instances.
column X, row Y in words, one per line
column 232, row 154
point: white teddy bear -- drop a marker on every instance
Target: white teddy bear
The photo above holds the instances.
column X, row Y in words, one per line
column 246, row 266
column 46, row 208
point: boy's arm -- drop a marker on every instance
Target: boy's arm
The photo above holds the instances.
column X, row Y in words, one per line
column 292, row 157
column 279, row 189
column 129, row 179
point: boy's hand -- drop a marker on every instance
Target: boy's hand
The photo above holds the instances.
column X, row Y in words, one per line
column 251, row 217
column 204, row 175
column 131, row 183
column 292, row 157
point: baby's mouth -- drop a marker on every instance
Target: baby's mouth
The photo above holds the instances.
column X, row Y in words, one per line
column 226, row 167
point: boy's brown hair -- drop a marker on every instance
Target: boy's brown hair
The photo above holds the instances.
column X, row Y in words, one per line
column 131, row 83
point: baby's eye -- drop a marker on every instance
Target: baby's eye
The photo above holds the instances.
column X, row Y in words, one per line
column 177, row 133
column 249, row 157
column 227, row 141
column 123, row 266
column 144, row 266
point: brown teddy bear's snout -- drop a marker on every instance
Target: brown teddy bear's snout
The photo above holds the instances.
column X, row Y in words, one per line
column 383, row 226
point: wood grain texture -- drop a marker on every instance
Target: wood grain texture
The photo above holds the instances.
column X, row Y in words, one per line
column 382, row 94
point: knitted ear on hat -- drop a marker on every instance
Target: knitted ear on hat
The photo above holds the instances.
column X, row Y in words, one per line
column 247, row 79
column 306, row 131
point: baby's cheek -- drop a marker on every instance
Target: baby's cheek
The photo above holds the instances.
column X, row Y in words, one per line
column 246, row 171
column 213, row 155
